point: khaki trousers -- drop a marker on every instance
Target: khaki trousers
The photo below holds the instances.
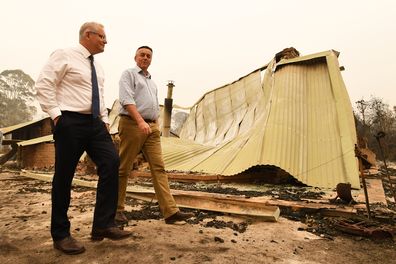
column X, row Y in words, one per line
column 132, row 141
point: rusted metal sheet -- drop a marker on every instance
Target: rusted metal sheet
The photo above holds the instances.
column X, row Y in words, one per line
column 359, row 229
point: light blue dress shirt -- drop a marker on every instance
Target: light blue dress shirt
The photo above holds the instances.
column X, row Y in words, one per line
column 140, row 90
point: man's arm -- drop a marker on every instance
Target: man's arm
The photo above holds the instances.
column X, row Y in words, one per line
column 134, row 114
column 127, row 100
column 51, row 74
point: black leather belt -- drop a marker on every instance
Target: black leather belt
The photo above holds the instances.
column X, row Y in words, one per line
column 76, row 114
column 145, row 120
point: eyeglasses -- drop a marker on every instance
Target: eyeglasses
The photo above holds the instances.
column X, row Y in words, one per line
column 103, row 37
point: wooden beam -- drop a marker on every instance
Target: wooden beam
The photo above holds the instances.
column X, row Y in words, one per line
column 4, row 158
column 216, row 202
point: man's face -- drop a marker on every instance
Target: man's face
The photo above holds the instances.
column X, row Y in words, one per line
column 97, row 40
column 143, row 58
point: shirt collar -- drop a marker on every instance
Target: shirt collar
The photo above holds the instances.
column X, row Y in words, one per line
column 139, row 70
column 83, row 50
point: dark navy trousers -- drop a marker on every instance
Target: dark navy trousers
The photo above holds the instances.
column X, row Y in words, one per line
column 75, row 133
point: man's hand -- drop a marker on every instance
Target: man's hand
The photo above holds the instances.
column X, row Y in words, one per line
column 56, row 120
column 144, row 127
column 134, row 114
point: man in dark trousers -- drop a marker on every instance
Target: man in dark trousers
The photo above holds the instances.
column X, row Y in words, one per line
column 70, row 89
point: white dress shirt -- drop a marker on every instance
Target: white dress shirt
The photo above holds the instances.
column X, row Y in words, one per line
column 64, row 83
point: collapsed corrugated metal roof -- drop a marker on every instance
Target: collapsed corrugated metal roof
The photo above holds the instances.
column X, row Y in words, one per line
column 299, row 118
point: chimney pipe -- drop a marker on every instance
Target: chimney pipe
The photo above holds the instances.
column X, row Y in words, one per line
column 168, row 111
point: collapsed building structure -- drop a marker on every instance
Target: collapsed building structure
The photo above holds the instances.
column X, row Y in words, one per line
column 31, row 142
column 297, row 117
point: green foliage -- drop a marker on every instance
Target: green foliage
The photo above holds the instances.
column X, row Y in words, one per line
column 16, row 97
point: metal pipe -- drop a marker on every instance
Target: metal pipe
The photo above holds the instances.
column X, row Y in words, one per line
column 365, row 189
column 358, row 154
column 168, row 110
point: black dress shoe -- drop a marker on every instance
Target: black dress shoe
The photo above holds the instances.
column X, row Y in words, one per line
column 113, row 233
column 177, row 217
column 69, row 246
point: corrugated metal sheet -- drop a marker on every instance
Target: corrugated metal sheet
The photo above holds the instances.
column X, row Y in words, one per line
column 114, row 118
column 299, row 118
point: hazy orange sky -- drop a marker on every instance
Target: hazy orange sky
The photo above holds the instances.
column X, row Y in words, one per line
column 202, row 45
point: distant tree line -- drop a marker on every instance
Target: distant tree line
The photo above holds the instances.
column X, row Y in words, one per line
column 376, row 123
column 16, row 98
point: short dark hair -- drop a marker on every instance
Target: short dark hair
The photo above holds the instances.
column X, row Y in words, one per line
column 145, row 47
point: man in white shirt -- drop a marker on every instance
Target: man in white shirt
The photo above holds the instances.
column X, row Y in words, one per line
column 70, row 90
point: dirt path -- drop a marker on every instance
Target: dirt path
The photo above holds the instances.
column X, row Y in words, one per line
column 24, row 236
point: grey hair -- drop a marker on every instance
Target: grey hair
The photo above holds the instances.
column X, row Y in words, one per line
column 89, row 26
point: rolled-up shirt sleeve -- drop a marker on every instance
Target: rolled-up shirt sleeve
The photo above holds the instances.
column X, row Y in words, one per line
column 127, row 88
column 50, row 77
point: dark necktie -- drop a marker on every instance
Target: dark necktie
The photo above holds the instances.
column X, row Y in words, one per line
column 95, row 89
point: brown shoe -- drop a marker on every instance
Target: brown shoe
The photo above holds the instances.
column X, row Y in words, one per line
column 120, row 218
column 69, row 246
column 113, row 233
column 177, row 217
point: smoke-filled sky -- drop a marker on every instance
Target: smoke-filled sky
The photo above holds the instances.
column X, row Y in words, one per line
column 202, row 45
